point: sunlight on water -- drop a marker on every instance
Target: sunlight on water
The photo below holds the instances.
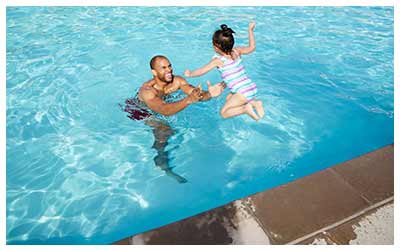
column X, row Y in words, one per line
column 79, row 171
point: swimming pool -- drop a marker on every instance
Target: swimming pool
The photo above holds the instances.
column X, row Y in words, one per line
column 80, row 172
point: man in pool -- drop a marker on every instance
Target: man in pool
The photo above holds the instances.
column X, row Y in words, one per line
column 151, row 100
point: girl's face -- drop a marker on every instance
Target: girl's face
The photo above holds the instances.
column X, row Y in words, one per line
column 216, row 49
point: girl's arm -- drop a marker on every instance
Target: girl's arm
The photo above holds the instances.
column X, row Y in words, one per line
column 252, row 41
column 201, row 71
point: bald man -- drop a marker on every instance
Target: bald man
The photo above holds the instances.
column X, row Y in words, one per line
column 165, row 83
column 151, row 99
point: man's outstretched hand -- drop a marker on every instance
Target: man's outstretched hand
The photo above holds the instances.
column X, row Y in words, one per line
column 196, row 95
column 216, row 89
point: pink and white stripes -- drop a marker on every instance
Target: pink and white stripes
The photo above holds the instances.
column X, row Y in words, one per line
column 234, row 75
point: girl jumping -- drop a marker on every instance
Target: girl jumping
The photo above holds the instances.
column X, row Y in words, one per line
column 228, row 61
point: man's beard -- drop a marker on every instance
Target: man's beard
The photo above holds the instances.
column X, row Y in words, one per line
column 172, row 78
column 165, row 80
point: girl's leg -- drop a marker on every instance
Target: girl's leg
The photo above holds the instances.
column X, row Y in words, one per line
column 237, row 105
column 228, row 97
column 258, row 105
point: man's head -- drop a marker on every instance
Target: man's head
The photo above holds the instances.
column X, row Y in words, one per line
column 161, row 68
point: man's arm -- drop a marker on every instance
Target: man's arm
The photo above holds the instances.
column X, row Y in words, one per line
column 213, row 90
column 156, row 104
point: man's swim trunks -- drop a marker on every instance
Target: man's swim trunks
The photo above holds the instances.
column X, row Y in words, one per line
column 136, row 109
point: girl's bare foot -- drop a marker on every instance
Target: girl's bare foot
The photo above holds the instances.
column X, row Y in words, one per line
column 258, row 105
column 249, row 110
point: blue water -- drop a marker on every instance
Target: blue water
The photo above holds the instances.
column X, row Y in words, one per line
column 80, row 172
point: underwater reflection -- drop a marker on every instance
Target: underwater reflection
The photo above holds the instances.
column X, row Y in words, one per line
column 162, row 132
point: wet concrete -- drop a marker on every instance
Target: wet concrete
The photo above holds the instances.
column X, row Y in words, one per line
column 229, row 224
column 375, row 227
column 297, row 209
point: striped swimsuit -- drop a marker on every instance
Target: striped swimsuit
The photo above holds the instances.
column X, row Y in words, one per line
column 233, row 73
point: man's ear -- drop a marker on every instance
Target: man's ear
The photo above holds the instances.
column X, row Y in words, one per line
column 154, row 72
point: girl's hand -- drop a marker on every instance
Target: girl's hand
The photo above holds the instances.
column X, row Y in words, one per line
column 252, row 24
column 187, row 73
column 216, row 89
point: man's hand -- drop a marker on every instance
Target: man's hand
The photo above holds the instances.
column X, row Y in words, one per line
column 217, row 89
column 252, row 25
column 196, row 95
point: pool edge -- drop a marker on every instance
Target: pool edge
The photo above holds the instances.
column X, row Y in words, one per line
column 325, row 205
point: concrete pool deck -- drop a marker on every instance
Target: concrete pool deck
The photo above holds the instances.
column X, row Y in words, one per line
column 349, row 203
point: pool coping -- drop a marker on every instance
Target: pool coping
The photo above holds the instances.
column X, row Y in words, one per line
column 326, row 205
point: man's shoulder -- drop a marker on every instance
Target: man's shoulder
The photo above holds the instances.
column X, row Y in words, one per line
column 147, row 86
column 180, row 80
column 147, row 90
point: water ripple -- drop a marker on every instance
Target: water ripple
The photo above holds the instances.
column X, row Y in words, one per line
column 78, row 170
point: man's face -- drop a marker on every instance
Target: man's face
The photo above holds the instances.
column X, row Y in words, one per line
column 163, row 70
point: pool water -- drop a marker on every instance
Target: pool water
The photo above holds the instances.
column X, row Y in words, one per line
column 79, row 171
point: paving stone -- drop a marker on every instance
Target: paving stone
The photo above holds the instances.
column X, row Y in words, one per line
column 371, row 174
column 229, row 224
column 122, row 242
column 375, row 227
column 319, row 239
column 296, row 209
column 206, row 228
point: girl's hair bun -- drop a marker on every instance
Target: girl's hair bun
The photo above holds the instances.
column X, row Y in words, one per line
column 226, row 31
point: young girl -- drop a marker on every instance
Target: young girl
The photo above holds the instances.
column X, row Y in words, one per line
column 228, row 61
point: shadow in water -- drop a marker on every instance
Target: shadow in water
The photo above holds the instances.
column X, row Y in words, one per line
column 162, row 132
